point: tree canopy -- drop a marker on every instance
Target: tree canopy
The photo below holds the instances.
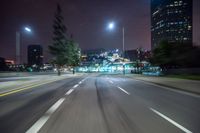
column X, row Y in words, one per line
column 176, row 55
column 64, row 50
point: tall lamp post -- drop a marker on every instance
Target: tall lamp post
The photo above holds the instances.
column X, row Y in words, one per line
column 111, row 26
column 123, row 43
column 18, row 41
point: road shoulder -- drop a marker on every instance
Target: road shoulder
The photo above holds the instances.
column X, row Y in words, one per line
column 190, row 86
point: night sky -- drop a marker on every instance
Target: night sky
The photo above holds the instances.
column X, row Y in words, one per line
column 86, row 19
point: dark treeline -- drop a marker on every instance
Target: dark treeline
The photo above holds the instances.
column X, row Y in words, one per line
column 176, row 55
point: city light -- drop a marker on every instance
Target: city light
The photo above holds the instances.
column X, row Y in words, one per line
column 111, row 26
column 27, row 29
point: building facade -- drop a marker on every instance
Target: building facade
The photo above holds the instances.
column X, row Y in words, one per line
column 2, row 64
column 137, row 54
column 171, row 20
column 35, row 55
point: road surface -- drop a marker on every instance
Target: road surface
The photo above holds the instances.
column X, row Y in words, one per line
column 97, row 103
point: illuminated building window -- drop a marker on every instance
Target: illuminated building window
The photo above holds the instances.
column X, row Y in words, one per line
column 171, row 20
column 189, row 27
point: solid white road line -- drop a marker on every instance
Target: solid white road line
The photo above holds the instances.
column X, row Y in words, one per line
column 123, row 90
column 171, row 121
column 39, row 124
column 69, row 91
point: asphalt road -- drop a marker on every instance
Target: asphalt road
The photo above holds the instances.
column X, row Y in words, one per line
column 99, row 104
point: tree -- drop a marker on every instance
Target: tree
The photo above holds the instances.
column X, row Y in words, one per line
column 162, row 55
column 74, row 53
column 64, row 50
column 59, row 48
column 168, row 55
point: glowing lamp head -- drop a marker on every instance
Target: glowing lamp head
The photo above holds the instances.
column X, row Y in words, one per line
column 111, row 26
column 27, row 29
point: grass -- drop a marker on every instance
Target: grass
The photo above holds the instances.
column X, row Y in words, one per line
column 185, row 76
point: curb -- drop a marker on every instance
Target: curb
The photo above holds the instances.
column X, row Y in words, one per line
column 164, row 85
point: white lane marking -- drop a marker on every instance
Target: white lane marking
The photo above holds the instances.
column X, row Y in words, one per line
column 110, row 81
column 83, row 80
column 69, row 91
column 75, row 86
column 171, row 121
column 39, row 124
column 80, row 82
column 123, row 90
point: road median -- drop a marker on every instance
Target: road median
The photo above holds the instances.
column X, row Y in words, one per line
column 16, row 89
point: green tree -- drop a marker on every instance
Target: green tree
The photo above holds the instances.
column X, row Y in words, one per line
column 168, row 55
column 162, row 55
column 59, row 48
column 74, row 53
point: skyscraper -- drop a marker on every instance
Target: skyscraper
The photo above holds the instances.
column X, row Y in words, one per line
column 171, row 20
column 2, row 64
column 35, row 55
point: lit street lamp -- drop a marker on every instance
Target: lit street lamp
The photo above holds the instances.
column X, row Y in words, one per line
column 111, row 26
column 27, row 29
column 18, row 56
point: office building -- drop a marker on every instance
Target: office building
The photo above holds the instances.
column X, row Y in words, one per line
column 35, row 55
column 171, row 20
column 2, row 64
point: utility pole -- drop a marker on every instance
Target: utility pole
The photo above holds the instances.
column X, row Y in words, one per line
column 123, row 50
column 18, row 60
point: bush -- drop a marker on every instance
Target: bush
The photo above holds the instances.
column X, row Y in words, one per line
column 173, row 55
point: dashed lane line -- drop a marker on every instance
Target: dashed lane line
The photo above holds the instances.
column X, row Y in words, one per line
column 69, row 92
column 39, row 124
column 123, row 90
column 75, row 86
column 171, row 121
column 120, row 88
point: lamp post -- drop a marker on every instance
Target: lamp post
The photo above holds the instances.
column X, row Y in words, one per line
column 111, row 26
column 123, row 43
column 18, row 41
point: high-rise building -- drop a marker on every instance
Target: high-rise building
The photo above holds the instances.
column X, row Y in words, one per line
column 2, row 64
column 35, row 55
column 171, row 20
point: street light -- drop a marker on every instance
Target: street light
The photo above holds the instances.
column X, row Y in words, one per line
column 111, row 26
column 28, row 29
column 18, row 56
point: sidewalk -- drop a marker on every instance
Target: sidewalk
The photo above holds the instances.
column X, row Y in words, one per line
column 192, row 86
